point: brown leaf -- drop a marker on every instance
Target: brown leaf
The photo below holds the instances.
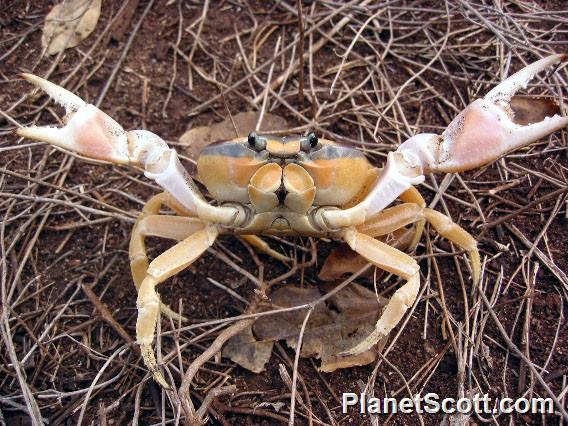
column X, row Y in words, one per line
column 343, row 261
column 348, row 317
column 531, row 109
column 194, row 140
column 246, row 351
column 69, row 23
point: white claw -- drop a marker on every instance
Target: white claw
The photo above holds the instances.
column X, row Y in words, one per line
column 63, row 97
column 505, row 90
column 87, row 131
column 484, row 131
column 92, row 133
column 487, row 128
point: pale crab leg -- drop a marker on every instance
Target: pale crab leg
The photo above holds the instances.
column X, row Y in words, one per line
column 391, row 260
column 171, row 227
column 485, row 130
column 393, row 218
column 137, row 250
column 412, row 195
column 262, row 246
column 161, row 268
column 92, row 133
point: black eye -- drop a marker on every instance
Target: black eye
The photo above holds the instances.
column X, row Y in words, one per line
column 309, row 142
column 256, row 142
column 312, row 139
column 252, row 139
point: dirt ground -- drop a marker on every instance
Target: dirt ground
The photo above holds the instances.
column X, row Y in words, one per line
column 174, row 65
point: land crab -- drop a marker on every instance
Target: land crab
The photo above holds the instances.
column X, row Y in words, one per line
column 295, row 186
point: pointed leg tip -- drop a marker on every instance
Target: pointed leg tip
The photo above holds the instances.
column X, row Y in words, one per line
column 281, row 257
column 150, row 362
column 356, row 350
column 161, row 380
column 363, row 346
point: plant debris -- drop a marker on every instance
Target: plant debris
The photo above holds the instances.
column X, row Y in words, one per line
column 346, row 318
column 248, row 352
column 69, row 23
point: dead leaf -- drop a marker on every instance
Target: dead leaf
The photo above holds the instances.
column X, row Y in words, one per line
column 342, row 261
column 247, row 352
column 194, row 140
column 533, row 109
column 347, row 318
column 69, row 23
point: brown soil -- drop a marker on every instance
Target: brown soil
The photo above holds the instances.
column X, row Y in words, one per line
column 43, row 265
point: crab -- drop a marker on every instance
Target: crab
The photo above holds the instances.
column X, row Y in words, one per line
column 294, row 185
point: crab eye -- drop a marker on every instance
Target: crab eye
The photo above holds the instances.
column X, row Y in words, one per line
column 252, row 139
column 255, row 142
column 312, row 139
column 309, row 142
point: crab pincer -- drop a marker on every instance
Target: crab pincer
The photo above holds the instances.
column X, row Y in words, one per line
column 87, row 131
column 486, row 129
column 94, row 134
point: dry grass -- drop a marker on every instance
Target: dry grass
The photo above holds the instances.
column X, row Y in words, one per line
column 372, row 76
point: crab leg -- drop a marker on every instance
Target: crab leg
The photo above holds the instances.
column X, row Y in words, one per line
column 171, row 227
column 392, row 260
column 161, row 268
column 412, row 195
column 396, row 262
column 137, row 249
column 92, row 133
column 393, row 218
column 262, row 246
column 484, row 131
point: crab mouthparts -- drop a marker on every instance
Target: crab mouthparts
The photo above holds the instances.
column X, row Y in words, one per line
column 280, row 224
column 273, row 188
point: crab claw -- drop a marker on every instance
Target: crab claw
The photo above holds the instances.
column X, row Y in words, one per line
column 87, row 131
column 487, row 128
column 484, row 131
column 92, row 133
